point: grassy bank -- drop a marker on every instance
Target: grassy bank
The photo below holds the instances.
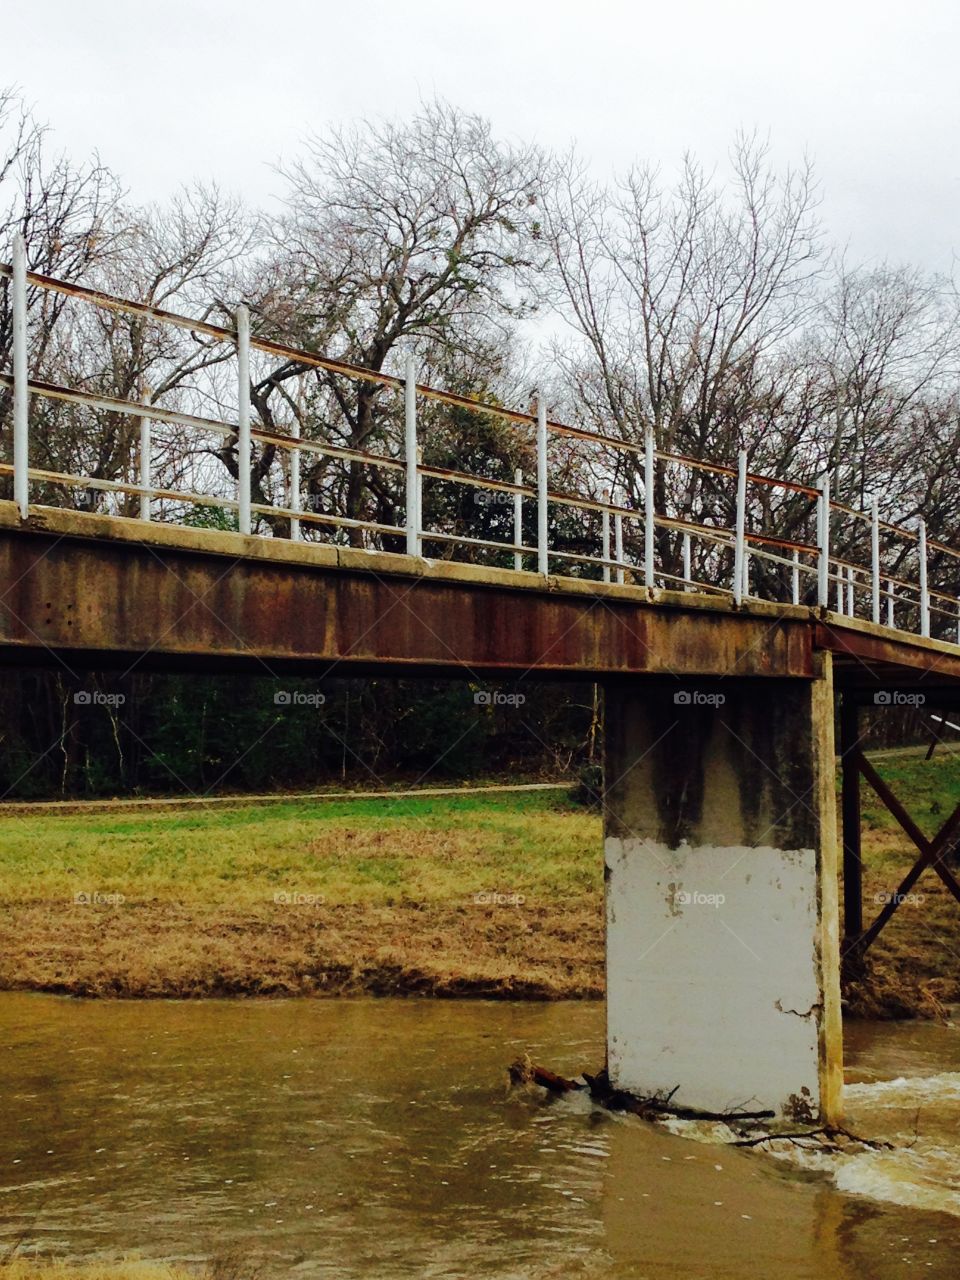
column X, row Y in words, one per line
column 497, row 894
column 493, row 894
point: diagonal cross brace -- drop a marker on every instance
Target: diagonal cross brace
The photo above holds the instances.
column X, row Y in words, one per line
column 931, row 851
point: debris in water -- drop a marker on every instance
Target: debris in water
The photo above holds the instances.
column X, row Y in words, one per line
column 660, row 1105
column 523, row 1071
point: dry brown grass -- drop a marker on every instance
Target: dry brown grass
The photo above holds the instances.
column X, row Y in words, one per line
column 166, row 949
column 235, row 1265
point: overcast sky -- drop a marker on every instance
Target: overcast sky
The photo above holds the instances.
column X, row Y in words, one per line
column 172, row 91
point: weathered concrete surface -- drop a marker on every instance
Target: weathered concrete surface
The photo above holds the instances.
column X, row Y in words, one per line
column 97, row 590
column 722, row 931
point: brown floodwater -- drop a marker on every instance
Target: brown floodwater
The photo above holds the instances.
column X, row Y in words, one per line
column 377, row 1138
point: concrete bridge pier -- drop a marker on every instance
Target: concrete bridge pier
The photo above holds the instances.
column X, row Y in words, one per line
column 721, row 893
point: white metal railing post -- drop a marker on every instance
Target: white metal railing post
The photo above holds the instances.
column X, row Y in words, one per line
column 243, row 418
column 518, row 520
column 851, row 598
column 649, row 514
column 891, row 598
column 875, row 558
column 795, row 577
column 21, row 387
column 840, row 608
column 618, row 544
column 146, row 463
column 294, row 500
column 410, row 440
column 606, row 535
column 543, row 559
column 823, row 542
column 746, row 572
column 924, row 593
column 685, row 551
column 738, row 549
column 419, row 550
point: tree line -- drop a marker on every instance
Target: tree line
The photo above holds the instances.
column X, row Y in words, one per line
column 711, row 307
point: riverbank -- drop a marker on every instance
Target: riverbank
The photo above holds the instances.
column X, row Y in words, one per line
column 495, row 895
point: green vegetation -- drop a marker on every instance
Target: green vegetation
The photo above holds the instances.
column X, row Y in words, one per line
column 495, row 895
column 930, row 790
column 429, row 849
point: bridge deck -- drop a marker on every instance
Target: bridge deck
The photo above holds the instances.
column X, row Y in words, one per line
column 102, row 591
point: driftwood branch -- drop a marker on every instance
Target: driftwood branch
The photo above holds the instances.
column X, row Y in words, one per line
column 659, row 1104
column 830, row 1138
column 656, row 1105
column 831, row 1133
column 523, row 1071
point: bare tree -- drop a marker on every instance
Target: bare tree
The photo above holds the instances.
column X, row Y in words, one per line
column 64, row 212
column 397, row 238
column 676, row 297
column 185, row 255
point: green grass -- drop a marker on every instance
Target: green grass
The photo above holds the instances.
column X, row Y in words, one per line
column 928, row 790
column 427, row 849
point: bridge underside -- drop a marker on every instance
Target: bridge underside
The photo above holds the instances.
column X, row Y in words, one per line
column 723, row 949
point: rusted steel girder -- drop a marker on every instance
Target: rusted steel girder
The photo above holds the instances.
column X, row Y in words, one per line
column 116, row 591
column 868, row 659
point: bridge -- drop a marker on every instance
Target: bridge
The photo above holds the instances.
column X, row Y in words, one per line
column 720, row 844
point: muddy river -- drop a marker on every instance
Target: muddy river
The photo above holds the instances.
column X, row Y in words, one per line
column 377, row 1138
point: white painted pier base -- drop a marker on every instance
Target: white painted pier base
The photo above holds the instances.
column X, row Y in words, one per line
column 722, row 919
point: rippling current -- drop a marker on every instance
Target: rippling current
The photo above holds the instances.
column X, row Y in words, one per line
column 377, row 1138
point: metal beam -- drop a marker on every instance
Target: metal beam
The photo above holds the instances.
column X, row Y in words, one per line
column 181, row 595
column 850, row 814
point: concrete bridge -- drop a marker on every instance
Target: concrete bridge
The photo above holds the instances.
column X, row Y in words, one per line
column 721, row 848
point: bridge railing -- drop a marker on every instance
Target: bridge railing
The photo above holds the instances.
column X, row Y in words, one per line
column 722, row 549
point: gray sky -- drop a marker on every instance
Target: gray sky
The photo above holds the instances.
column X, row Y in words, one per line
column 172, row 91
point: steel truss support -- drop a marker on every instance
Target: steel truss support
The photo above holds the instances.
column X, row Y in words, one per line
column 932, row 851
